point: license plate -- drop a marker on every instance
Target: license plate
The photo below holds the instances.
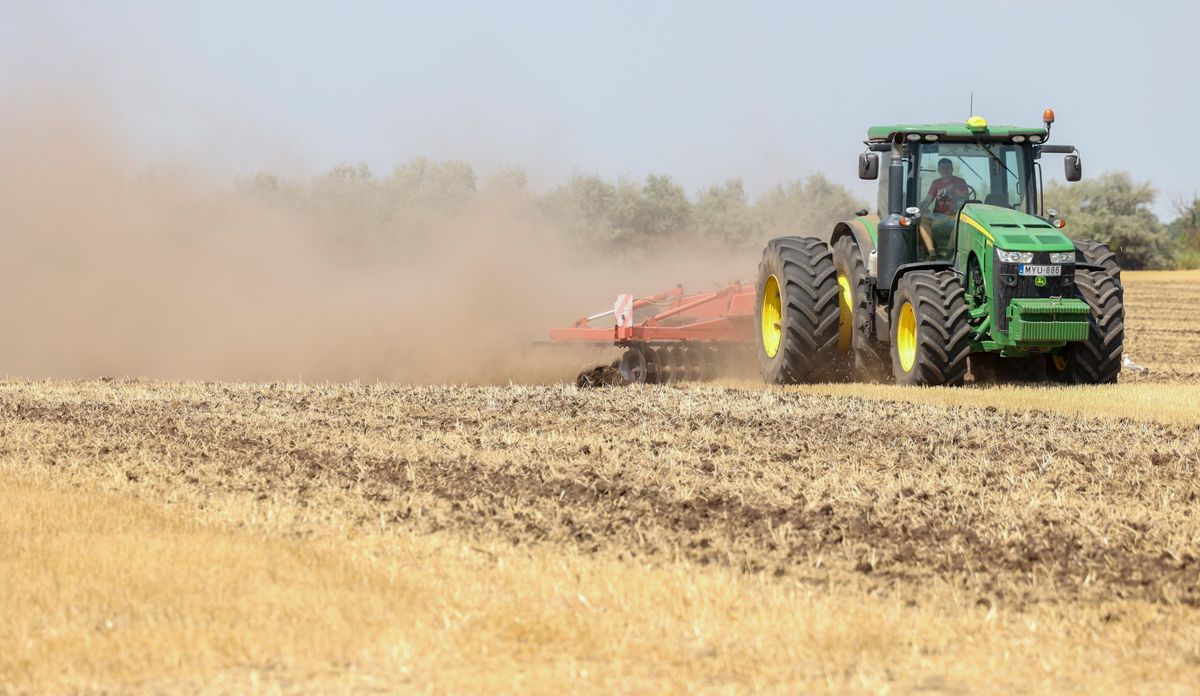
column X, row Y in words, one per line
column 1027, row 269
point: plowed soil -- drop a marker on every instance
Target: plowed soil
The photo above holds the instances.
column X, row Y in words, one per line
column 1021, row 508
column 1163, row 324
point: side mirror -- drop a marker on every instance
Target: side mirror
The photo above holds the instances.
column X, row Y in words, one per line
column 1073, row 167
column 868, row 165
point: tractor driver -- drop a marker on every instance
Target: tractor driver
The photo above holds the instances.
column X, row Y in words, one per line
column 946, row 194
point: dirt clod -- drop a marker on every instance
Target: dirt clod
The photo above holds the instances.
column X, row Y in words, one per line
column 601, row 376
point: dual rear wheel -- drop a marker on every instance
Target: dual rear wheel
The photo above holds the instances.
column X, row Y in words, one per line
column 814, row 319
column 864, row 359
column 798, row 312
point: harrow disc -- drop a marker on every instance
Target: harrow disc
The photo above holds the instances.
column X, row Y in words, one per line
column 708, row 363
column 681, row 363
column 668, row 372
column 633, row 365
column 653, row 369
column 691, row 359
column 643, row 364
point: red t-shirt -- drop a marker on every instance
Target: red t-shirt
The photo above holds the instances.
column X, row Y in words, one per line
column 948, row 205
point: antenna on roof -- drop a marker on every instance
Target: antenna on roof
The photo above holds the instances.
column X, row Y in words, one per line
column 972, row 112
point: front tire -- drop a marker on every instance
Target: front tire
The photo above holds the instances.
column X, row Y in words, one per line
column 1098, row 359
column 930, row 336
column 1098, row 253
column 797, row 311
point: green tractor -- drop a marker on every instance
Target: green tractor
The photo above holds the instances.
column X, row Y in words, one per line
column 961, row 270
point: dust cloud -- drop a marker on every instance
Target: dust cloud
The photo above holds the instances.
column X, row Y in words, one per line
column 118, row 269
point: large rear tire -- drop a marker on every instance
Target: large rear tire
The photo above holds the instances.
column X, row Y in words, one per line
column 1098, row 359
column 930, row 336
column 864, row 356
column 797, row 311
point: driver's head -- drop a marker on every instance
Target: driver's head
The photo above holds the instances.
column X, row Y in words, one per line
column 945, row 167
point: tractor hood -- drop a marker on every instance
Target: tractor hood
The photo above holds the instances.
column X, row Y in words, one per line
column 1013, row 230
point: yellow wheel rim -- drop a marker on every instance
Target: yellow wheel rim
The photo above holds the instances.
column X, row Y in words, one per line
column 772, row 316
column 1060, row 362
column 906, row 337
column 845, row 314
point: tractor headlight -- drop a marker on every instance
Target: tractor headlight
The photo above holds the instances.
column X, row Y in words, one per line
column 1015, row 256
column 1062, row 257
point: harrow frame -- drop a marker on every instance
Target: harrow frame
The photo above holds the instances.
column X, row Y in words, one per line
column 724, row 315
column 671, row 336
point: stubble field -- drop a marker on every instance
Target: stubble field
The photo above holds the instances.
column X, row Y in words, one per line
column 710, row 537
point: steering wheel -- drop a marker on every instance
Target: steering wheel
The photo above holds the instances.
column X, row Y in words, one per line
column 972, row 194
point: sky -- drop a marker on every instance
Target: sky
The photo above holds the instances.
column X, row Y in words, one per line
column 702, row 91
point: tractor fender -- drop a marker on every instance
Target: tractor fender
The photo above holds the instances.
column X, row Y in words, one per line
column 883, row 313
column 920, row 266
column 858, row 230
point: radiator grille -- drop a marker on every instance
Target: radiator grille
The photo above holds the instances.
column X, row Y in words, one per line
column 1009, row 286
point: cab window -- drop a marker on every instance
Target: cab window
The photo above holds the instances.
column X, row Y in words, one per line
column 954, row 173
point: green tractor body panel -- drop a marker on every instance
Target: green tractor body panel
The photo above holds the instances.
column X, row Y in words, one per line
column 1011, row 230
column 869, row 224
column 950, row 130
column 864, row 229
column 1020, row 313
column 1047, row 322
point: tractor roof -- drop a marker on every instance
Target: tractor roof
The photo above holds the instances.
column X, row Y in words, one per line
column 950, row 130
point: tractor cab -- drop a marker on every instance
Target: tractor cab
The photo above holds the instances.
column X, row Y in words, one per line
column 933, row 171
column 945, row 186
column 947, row 176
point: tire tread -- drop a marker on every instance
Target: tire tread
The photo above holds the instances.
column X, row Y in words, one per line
column 810, row 312
column 943, row 335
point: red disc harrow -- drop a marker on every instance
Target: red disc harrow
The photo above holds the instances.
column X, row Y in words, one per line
column 671, row 336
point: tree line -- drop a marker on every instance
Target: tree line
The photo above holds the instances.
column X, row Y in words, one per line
column 627, row 216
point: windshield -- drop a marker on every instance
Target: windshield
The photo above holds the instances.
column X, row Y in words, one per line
column 953, row 173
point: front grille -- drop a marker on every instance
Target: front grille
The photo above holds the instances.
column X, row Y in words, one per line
column 1009, row 286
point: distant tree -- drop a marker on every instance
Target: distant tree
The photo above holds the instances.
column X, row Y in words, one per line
column 624, row 219
column 348, row 202
column 583, row 208
column 507, row 179
column 271, row 189
column 662, row 212
column 360, row 212
column 808, row 207
column 722, row 215
column 625, row 215
column 345, row 179
column 1114, row 209
column 1185, row 233
column 424, row 185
